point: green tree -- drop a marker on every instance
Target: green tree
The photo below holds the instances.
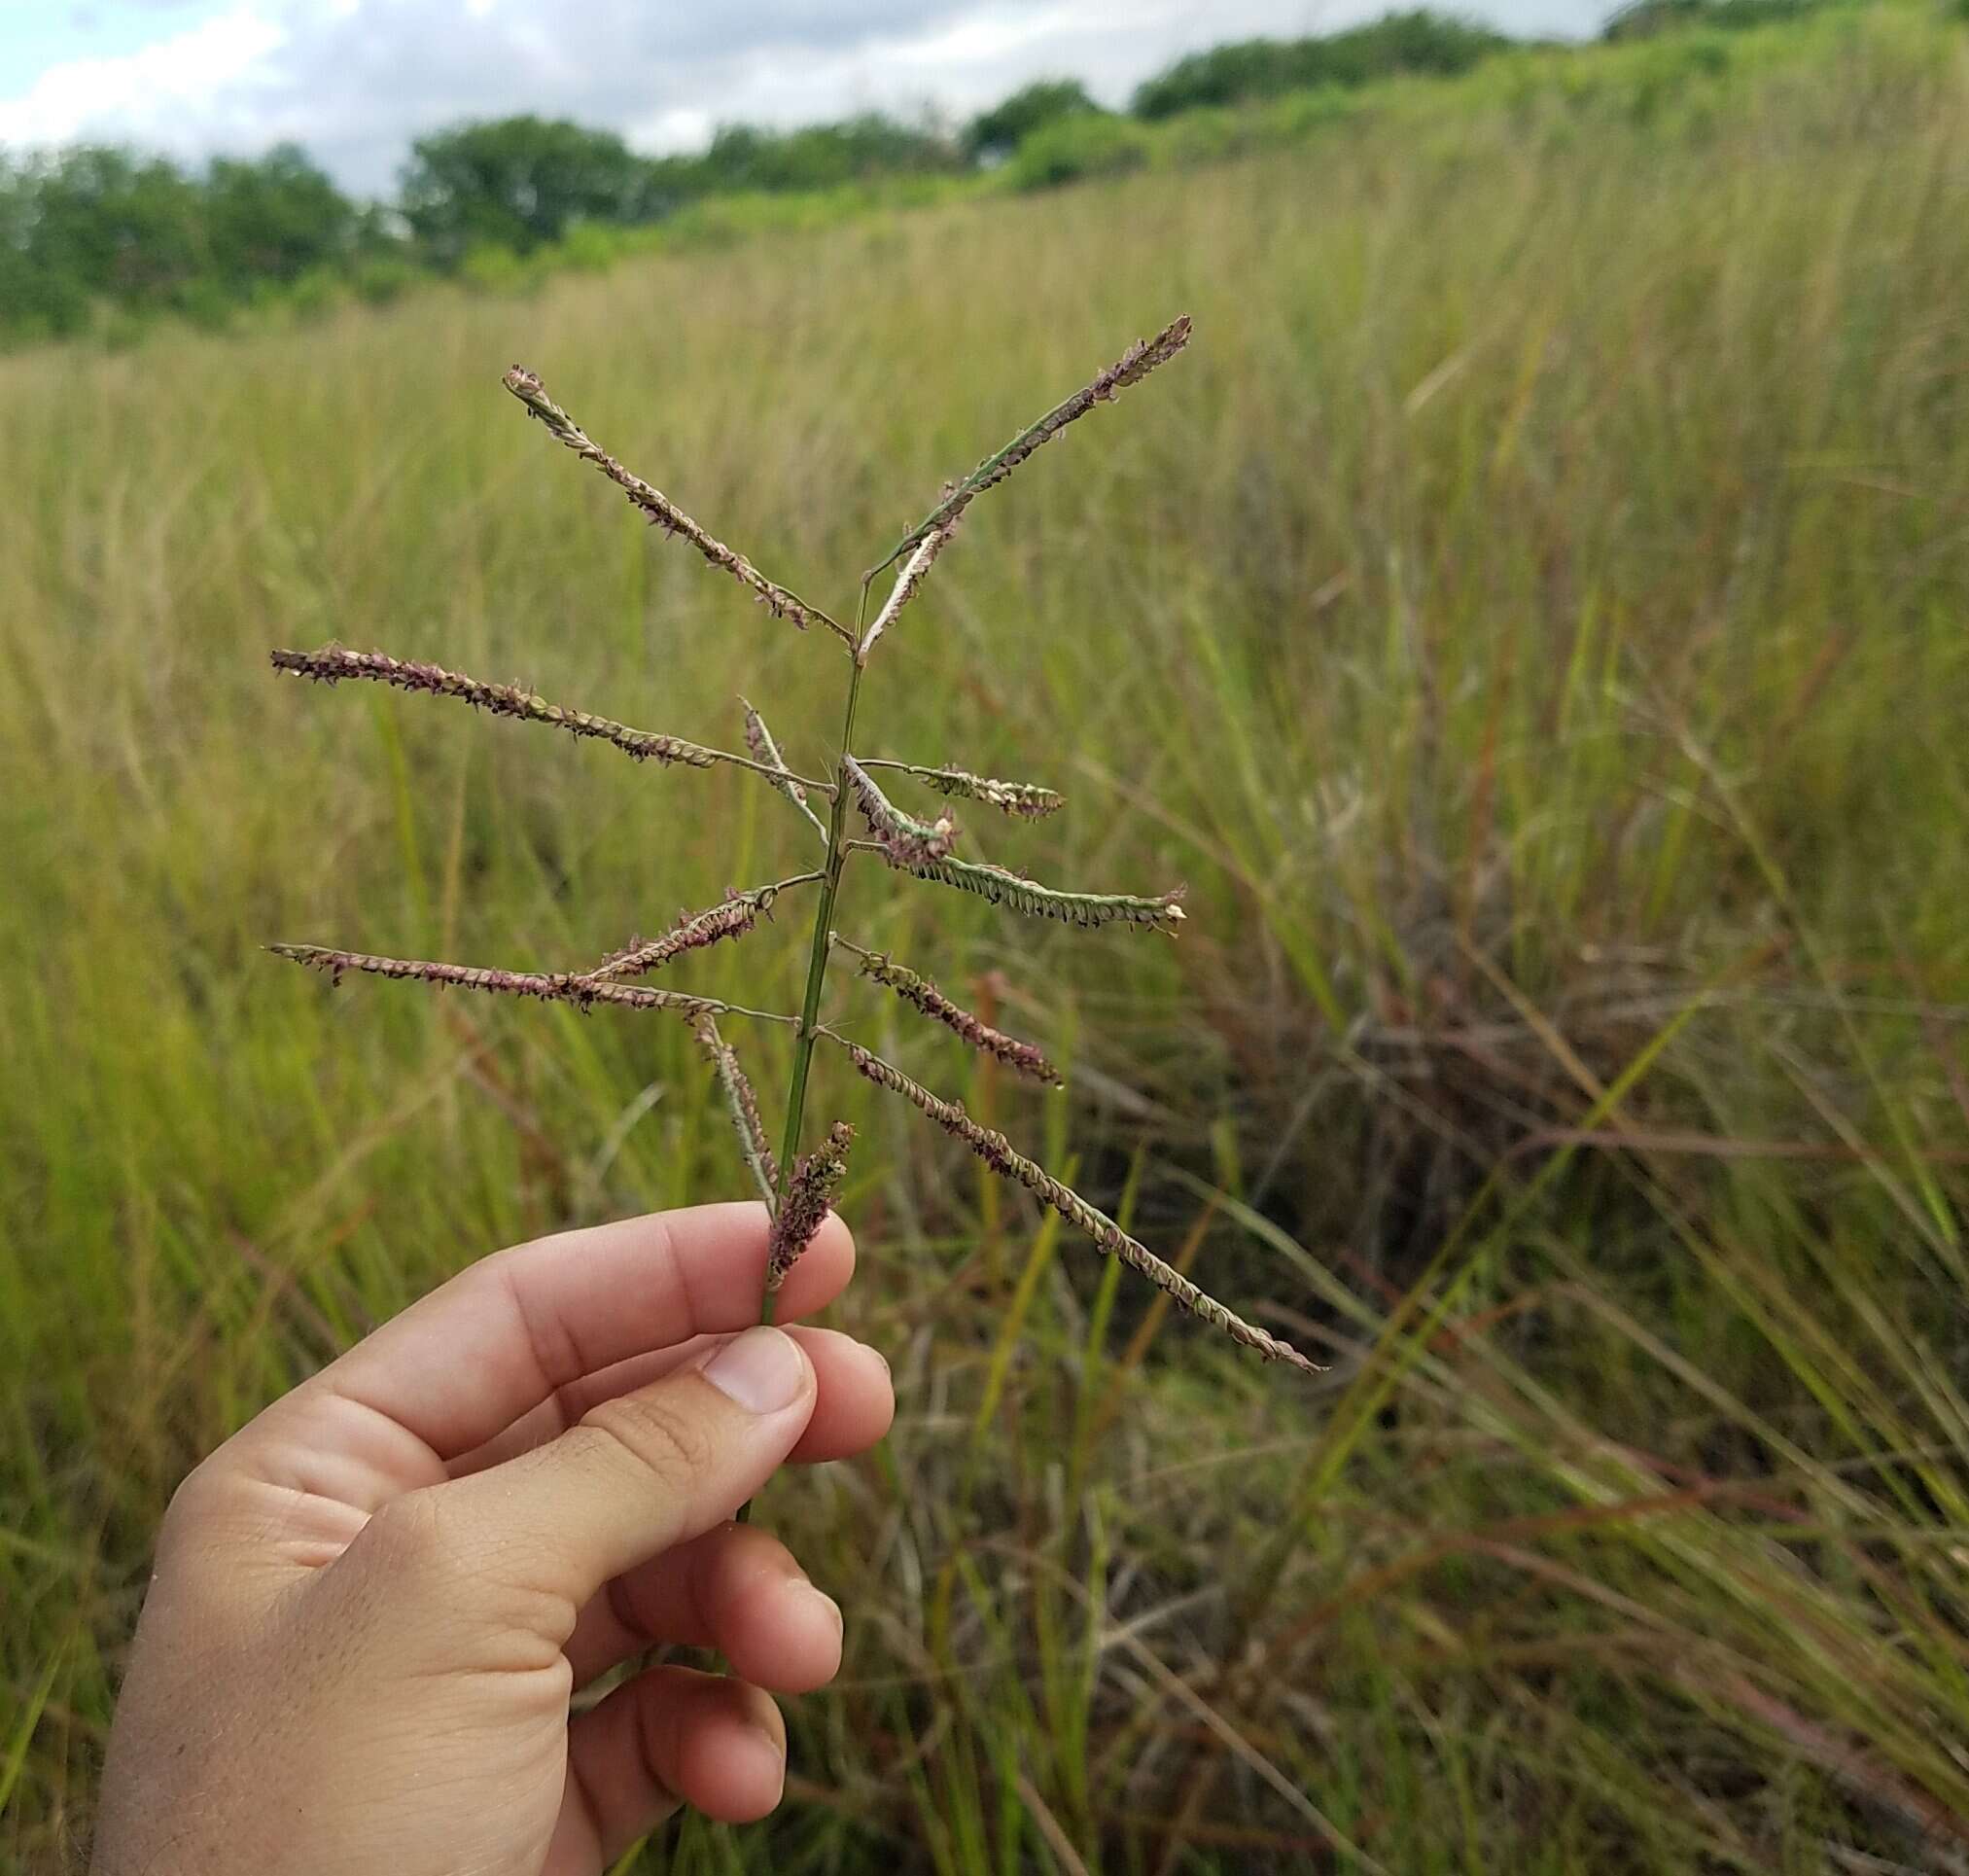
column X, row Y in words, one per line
column 34, row 303
column 102, row 220
column 1258, row 69
column 1646, row 18
column 996, row 133
column 518, row 182
column 275, row 218
column 820, row 155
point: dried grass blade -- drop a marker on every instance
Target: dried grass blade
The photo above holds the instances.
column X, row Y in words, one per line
column 999, row 1153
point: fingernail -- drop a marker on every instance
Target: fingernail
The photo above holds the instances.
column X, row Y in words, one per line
column 761, row 1369
column 773, row 1745
column 827, row 1602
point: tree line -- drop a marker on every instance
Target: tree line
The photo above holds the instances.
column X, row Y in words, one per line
column 93, row 228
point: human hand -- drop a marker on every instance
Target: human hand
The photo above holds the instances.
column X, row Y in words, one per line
column 371, row 1605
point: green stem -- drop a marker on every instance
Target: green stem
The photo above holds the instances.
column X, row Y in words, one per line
column 817, row 956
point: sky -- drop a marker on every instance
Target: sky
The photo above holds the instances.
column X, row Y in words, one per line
column 355, row 80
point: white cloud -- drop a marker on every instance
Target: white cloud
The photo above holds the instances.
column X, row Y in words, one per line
column 181, row 73
column 355, row 80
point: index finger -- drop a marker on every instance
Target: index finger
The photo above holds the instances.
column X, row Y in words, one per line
column 496, row 1340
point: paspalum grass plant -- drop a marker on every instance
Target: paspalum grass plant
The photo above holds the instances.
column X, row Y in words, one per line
column 856, row 818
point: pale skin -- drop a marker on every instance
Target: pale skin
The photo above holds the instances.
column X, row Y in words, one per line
column 374, row 1603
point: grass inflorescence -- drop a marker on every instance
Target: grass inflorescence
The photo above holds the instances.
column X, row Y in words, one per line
column 798, row 1195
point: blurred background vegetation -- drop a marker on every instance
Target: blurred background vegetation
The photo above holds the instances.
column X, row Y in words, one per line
column 1529, row 618
column 102, row 240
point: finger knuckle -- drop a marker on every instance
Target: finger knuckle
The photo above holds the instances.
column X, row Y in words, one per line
column 656, row 1436
column 405, row 1537
column 192, row 1505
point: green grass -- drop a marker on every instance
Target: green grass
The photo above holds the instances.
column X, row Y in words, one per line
column 1531, row 619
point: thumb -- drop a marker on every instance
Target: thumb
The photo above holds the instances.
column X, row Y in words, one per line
column 640, row 1473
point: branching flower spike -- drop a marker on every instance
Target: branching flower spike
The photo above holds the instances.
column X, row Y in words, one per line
column 798, row 1188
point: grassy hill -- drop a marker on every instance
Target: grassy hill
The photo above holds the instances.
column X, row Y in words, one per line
column 1530, row 619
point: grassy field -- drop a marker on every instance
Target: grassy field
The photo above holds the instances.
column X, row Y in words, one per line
column 1531, row 619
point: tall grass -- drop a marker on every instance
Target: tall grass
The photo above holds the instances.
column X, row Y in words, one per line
column 1532, row 625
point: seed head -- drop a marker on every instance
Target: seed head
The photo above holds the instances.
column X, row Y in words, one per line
column 1003, row 1158
column 742, row 1103
column 924, row 996
column 904, row 840
column 334, row 662
column 735, row 917
column 809, row 1196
